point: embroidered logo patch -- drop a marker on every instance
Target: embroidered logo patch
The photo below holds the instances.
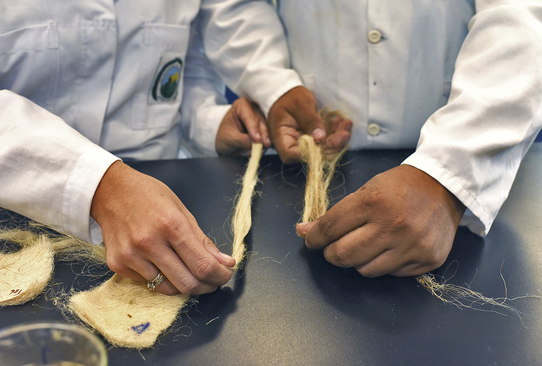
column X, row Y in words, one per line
column 166, row 83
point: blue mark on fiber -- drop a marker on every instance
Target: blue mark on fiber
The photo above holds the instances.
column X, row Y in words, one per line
column 141, row 327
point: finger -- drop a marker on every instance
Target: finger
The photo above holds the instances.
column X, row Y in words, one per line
column 240, row 142
column 337, row 141
column 340, row 135
column 222, row 258
column 167, row 288
column 262, row 124
column 339, row 123
column 188, row 242
column 130, row 273
column 310, row 121
column 386, row 263
column 147, row 269
column 410, row 270
column 286, row 143
column 236, row 143
column 303, row 228
column 356, row 248
column 192, row 250
column 248, row 118
column 266, row 141
column 124, row 264
column 301, row 104
column 346, row 125
column 148, row 272
column 347, row 215
column 180, row 276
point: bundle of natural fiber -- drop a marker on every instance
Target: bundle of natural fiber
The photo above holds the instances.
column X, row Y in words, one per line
column 319, row 170
column 24, row 273
column 242, row 217
column 125, row 312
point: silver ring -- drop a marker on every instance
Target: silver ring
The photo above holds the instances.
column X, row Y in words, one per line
column 156, row 281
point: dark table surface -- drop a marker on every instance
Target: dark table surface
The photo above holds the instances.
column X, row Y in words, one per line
column 290, row 307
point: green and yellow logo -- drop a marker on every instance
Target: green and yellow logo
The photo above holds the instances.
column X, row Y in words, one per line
column 166, row 83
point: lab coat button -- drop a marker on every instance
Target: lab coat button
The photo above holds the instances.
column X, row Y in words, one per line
column 374, row 36
column 373, row 129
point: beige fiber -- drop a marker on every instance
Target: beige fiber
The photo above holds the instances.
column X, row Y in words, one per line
column 25, row 273
column 242, row 217
column 126, row 313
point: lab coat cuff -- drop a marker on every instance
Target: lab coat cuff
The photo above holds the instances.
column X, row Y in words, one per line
column 80, row 189
column 285, row 88
column 266, row 91
column 475, row 218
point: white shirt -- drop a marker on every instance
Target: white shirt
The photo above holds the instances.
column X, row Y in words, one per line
column 86, row 82
column 467, row 73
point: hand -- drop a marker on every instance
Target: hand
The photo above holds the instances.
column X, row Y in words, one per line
column 241, row 126
column 295, row 114
column 147, row 229
column 402, row 222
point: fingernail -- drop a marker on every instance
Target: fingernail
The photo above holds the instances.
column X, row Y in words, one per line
column 301, row 225
column 348, row 127
column 257, row 136
column 345, row 140
column 301, row 229
column 225, row 256
column 318, row 134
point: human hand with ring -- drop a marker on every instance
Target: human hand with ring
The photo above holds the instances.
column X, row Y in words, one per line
column 150, row 236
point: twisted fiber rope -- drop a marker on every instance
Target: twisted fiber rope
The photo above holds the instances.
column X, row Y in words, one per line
column 242, row 217
column 319, row 170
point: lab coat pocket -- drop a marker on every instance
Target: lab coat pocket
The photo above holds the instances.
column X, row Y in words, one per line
column 159, row 91
column 30, row 63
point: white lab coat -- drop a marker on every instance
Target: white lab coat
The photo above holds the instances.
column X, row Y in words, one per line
column 389, row 66
column 86, row 82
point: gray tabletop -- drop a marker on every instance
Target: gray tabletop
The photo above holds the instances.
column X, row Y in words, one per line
column 288, row 306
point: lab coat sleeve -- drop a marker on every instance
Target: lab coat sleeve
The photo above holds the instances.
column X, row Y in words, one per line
column 204, row 103
column 49, row 171
column 245, row 42
column 474, row 145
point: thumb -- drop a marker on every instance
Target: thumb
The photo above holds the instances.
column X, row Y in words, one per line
column 311, row 123
column 222, row 258
column 304, row 228
column 302, row 105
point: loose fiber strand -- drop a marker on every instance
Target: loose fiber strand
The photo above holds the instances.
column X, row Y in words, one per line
column 316, row 198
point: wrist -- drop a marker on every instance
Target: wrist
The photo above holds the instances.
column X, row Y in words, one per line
column 105, row 189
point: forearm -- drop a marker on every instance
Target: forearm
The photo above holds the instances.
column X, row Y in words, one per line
column 245, row 42
column 49, row 170
column 474, row 145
